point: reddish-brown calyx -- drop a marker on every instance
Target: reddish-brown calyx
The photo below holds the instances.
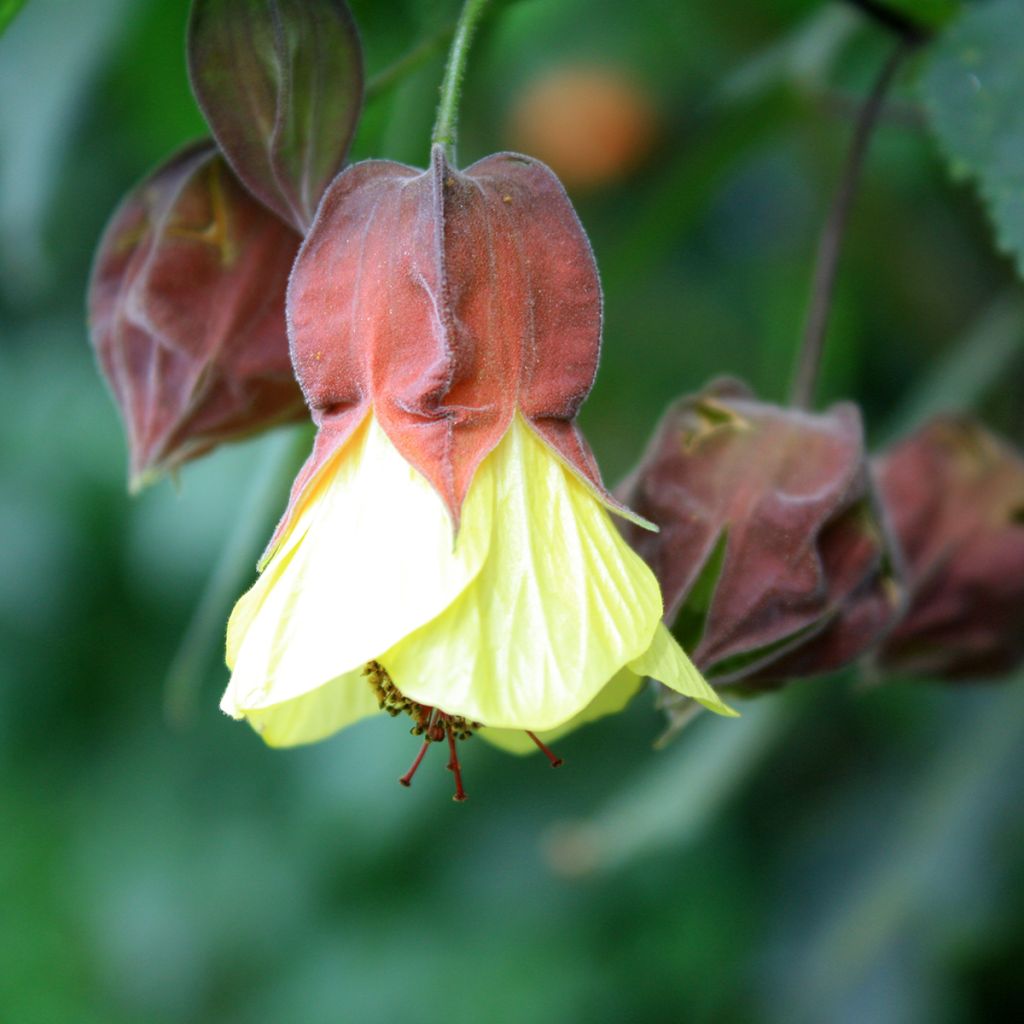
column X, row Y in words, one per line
column 446, row 302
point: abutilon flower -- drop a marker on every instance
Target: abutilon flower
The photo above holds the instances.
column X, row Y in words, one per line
column 447, row 551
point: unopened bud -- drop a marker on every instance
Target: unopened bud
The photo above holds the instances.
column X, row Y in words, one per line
column 954, row 494
column 186, row 311
column 770, row 555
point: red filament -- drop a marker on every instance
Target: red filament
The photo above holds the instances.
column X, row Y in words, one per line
column 454, row 767
column 406, row 779
column 556, row 762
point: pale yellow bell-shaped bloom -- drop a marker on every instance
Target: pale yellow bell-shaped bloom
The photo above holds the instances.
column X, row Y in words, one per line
column 520, row 621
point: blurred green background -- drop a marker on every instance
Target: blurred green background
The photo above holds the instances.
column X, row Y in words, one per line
column 843, row 853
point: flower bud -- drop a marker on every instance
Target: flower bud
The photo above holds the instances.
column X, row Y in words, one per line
column 954, row 495
column 770, row 555
column 280, row 83
column 186, row 310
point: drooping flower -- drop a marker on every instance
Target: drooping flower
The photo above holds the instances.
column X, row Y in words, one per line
column 448, row 550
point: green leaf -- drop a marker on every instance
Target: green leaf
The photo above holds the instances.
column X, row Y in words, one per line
column 973, row 90
column 8, row 9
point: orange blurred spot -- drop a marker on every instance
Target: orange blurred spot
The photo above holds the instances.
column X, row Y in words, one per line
column 591, row 125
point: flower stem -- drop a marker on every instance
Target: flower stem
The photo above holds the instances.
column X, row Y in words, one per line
column 446, row 125
column 830, row 244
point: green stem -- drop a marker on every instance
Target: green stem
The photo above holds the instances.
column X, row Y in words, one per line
column 446, row 125
column 827, row 262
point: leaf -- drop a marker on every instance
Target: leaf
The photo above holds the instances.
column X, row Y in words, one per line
column 973, row 91
column 8, row 10
column 281, row 84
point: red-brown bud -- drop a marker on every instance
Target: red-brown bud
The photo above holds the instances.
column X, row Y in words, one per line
column 186, row 311
column 446, row 300
column 281, row 85
column 770, row 556
column 954, row 494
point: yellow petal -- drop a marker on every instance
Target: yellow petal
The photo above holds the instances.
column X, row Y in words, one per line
column 559, row 606
column 621, row 689
column 370, row 559
column 666, row 661
column 314, row 715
